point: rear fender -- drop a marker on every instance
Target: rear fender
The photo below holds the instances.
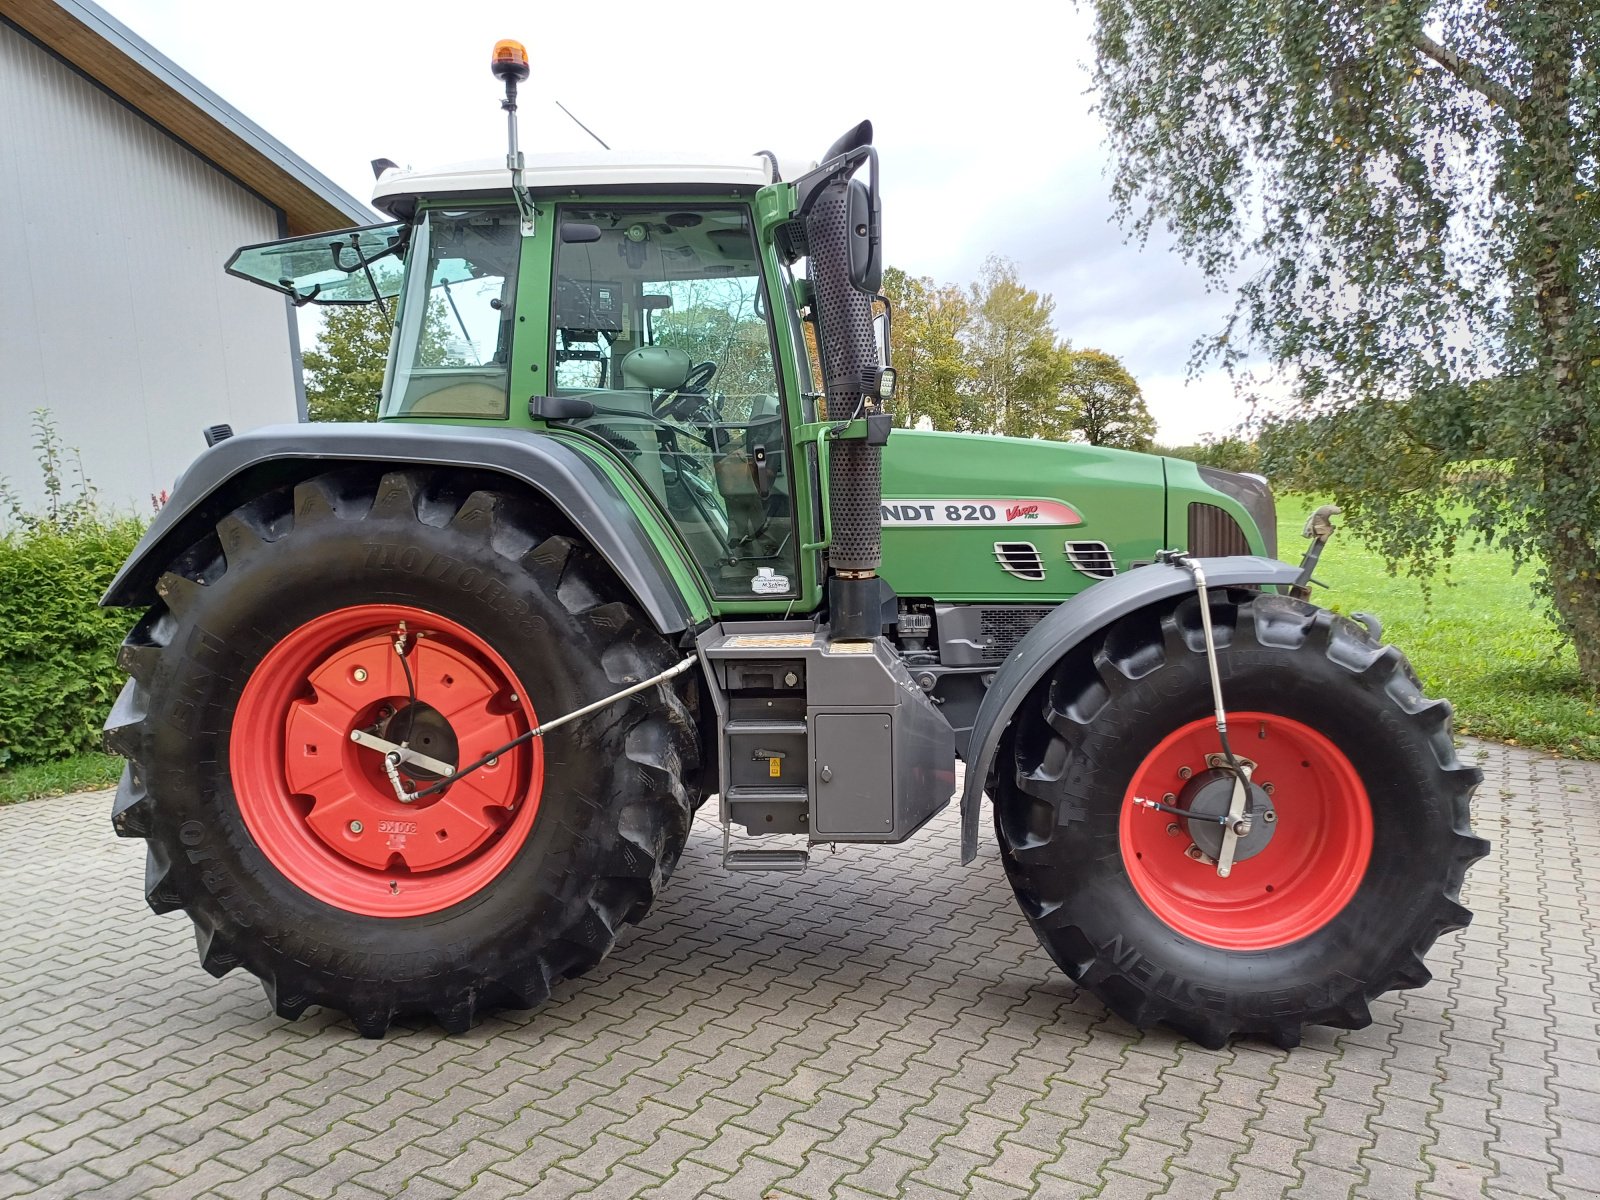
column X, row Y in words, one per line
column 1074, row 622
column 234, row 470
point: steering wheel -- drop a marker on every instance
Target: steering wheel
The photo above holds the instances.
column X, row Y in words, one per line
column 685, row 399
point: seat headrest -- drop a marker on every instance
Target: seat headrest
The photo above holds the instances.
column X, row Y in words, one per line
column 660, row 367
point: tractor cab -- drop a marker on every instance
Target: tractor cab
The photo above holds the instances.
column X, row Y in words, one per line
column 648, row 310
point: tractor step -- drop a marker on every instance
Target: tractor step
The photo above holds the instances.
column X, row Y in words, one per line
column 763, row 726
column 765, row 860
column 742, row 793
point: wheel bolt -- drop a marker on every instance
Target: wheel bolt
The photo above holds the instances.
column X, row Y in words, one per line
column 1193, row 852
column 1173, row 830
column 1269, row 816
column 355, row 826
column 360, row 674
column 1169, row 798
column 1184, row 772
column 516, row 699
column 1268, row 788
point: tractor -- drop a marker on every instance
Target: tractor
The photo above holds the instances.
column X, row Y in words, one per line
column 420, row 711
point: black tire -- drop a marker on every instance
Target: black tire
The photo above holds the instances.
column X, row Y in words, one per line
column 614, row 811
column 1083, row 733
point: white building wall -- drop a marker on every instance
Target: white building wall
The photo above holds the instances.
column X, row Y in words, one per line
column 115, row 313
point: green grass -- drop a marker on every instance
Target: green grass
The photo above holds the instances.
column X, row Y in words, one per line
column 1480, row 640
column 79, row 773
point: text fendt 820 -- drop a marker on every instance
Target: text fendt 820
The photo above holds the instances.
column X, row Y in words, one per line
column 420, row 711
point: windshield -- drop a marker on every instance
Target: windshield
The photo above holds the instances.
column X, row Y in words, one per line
column 346, row 266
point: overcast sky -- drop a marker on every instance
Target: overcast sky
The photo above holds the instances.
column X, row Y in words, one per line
column 984, row 125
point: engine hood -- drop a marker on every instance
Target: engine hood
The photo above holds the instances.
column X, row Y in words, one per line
column 968, row 517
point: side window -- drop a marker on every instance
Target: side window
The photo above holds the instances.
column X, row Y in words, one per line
column 452, row 354
column 662, row 324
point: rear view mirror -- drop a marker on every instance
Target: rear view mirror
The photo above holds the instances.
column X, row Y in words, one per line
column 579, row 232
column 866, row 250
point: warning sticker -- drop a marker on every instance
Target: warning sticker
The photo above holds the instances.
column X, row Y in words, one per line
column 997, row 512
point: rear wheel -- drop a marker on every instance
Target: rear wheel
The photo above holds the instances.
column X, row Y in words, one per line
column 1355, row 858
column 415, row 608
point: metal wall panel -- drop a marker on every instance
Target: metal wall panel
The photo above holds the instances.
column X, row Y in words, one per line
column 115, row 313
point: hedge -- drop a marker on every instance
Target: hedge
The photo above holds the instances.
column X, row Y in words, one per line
column 58, row 648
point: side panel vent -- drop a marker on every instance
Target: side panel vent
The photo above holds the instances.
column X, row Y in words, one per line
column 1004, row 627
column 1020, row 559
column 1214, row 533
column 1092, row 558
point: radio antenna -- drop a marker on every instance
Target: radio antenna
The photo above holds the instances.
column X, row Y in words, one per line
column 582, row 126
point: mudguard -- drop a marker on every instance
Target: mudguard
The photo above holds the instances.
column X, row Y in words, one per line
column 1075, row 620
column 239, row 467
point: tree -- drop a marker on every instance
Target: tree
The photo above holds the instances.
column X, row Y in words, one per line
column 933, row 373
column 1018, row 365
column 1108, row 408
column 344, row 369
column 1406, row 194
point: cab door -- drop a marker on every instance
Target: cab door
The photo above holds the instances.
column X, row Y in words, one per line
column 660, row 320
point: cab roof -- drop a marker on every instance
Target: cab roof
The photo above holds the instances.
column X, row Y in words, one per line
column 398, row 190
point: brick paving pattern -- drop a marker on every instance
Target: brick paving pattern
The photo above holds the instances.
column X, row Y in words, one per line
column 883, row 1025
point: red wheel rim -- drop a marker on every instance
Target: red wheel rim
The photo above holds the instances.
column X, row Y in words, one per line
column 1301, row 879
column 322, row 808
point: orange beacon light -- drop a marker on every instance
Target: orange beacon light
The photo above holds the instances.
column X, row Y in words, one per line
column 509, row 61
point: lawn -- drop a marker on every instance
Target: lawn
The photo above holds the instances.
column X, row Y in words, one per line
column 76, row 774
column 1480, row 640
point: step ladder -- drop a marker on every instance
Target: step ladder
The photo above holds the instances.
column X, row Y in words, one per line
column 763, row 736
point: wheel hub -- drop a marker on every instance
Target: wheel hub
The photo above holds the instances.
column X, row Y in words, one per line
column 424, row 728
column 1208, row 796
column 322, row 807
column 1295, row 869
column 354, row 810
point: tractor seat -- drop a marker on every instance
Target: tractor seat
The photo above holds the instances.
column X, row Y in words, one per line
column 659, row 368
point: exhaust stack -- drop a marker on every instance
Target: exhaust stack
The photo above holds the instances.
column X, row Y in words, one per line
column 841, row 230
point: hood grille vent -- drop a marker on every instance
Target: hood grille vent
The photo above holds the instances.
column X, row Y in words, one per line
column 1020, row 559
column 1092, row 558
column 1214, row 532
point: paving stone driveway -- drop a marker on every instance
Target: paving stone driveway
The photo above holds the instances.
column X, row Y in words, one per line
column 882, row 1025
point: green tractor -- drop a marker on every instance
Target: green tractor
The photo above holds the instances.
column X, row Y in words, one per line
column 420, row 712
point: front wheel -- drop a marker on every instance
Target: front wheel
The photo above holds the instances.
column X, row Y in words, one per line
column 1358, row 844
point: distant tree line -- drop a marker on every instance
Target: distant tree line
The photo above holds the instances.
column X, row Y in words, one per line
column 985, row 358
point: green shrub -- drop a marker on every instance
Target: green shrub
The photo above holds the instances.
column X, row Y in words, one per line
column 58, row 648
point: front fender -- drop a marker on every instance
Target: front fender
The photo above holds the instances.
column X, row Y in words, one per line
column 1069, row 626
column 234, row 470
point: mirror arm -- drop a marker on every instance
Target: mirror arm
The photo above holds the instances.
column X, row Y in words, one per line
column 383, row 305
column 888, row 325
